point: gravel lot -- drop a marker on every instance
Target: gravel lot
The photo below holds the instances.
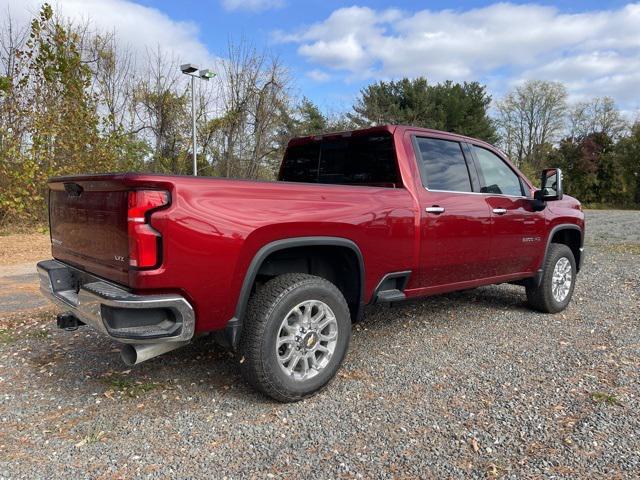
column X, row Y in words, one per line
column 470, row 384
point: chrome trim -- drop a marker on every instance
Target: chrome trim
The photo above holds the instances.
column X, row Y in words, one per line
column 87, row 302
column 135, row 354
column 499, row 211
column 562, row 279
column 479, row 193
column 434, row 209
column 306, row 340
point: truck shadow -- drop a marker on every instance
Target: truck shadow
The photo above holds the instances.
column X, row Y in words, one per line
column 85, row 361
column 465, row 305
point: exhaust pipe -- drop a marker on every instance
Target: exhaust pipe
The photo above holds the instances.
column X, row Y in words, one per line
column 135, row 354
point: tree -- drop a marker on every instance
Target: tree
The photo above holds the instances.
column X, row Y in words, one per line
column 600, row 115
column 453, row 107
column 463, row 109
column 628, row 154
column 162, row 112
column 254, row 92
column 529, row 117
column 55, row 124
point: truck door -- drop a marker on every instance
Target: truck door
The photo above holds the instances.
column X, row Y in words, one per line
column 517, row 231
column 455, row 222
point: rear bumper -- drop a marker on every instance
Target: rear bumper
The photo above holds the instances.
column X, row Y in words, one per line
column 114, row 311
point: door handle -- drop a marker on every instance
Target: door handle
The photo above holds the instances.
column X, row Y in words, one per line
column 435, row 209
column 499, row 211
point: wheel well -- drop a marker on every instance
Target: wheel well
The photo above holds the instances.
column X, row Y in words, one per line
column 572, row 239
column 338, row 264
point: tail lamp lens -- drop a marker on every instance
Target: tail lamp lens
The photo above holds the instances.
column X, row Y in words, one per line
column 144, row 241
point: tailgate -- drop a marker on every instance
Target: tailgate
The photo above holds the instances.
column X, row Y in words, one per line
column 88, row 220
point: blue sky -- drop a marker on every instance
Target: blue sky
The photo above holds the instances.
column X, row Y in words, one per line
column 334, row 48
column 216, row 23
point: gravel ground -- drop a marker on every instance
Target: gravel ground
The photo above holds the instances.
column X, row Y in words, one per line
column 471, row 384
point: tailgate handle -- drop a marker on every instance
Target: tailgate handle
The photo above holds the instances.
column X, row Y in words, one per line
column 73, row 189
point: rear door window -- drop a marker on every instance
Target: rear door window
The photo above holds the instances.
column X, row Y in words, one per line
column 443, row 165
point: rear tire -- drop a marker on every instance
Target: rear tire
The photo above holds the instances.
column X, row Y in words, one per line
column 558, row 281
column 295, row 336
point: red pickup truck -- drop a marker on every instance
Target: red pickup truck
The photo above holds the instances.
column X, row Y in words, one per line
column 279, row 270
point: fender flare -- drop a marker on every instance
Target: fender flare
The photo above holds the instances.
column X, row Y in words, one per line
column 562, row 226
column 234, row 326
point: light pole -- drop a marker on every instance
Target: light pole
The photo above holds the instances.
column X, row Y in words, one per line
column 205, row 74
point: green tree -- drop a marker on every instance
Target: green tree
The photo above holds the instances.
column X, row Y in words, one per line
column 58, row 129
column 627, row 152
column 453, row 107
column 590, row 169
column 52, row 92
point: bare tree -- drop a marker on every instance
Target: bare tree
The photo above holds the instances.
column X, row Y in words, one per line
column 12, row 41
column 161, row 111
column 531, row 116
column 113, row 75
column 600, row 115
column 254, row 86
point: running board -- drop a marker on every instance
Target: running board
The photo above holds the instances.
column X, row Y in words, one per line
column 388, row 296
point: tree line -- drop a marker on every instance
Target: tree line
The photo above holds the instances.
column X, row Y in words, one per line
column 73, row 101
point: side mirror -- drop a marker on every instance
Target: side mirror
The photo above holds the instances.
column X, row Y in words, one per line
column 550, row 185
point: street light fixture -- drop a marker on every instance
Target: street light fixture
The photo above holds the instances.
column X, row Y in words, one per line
column 205, row 74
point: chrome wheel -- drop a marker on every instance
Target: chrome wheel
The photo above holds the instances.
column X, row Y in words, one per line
column 562, row 278
column 307, row 339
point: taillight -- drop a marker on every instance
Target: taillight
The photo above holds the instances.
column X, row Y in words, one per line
column 144, row 241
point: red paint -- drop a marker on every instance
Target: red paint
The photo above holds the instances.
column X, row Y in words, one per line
column 213, row 228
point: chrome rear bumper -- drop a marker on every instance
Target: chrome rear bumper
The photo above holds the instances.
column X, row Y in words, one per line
column 114, row 311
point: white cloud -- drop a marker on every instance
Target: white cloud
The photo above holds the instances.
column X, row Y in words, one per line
column 252, row 5
column 137, row 27
column 318, row 75
column 595, row 53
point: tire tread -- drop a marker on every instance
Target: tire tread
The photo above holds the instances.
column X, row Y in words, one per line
column 540, row 297
column 261, row 305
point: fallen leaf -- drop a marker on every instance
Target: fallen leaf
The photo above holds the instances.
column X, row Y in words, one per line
column 474, row 445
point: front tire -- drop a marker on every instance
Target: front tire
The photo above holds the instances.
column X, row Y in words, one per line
column 295, row 336
column 558, row 281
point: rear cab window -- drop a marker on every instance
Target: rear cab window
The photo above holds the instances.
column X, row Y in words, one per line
column 366, row 160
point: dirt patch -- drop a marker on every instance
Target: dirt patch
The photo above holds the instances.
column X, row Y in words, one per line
column 24, row 247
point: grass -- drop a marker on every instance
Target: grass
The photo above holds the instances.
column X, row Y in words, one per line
column 38, row 334
column 632, row 248
column 92, row 437
column 129, row 387
column 606, row 398
column 10, row 336
column 6, row 336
